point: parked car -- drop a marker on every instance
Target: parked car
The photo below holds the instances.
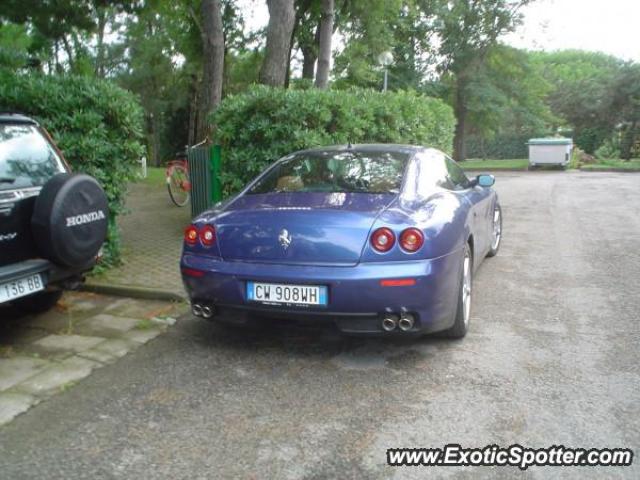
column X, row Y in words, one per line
column 380, row 239
column 53, row 223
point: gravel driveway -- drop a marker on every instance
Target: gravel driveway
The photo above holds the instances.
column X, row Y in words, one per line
column 552, row 358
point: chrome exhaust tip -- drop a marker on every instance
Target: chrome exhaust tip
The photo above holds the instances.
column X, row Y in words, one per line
column 196, row 309
column 406, row 322
column 389, row 323
column 207, row 312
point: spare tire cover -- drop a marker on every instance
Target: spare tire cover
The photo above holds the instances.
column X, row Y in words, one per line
column 70, row 218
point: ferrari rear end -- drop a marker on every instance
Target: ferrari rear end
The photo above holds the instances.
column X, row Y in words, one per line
column 323, row 237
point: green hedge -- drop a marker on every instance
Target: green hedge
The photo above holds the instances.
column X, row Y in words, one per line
column 500, row 146
column 97, row 125
column 264, row 124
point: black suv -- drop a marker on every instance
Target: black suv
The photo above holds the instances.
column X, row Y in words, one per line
column 52, row 222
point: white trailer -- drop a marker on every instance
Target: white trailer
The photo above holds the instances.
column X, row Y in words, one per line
column 550, row 151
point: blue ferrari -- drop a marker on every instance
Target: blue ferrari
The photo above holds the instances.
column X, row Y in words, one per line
column 378, row 239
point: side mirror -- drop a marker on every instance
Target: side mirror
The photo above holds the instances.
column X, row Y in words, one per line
column 485, row 180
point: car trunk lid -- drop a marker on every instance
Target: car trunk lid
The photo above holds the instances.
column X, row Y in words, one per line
column 299, row 228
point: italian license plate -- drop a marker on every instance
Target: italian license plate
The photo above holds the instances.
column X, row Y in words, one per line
column 21, row 288
column 279, row 294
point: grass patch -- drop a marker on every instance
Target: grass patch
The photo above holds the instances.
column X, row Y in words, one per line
column 145, row 324
column 613, row 163
column 508, row 164
column 155, row 177
column 67, row 386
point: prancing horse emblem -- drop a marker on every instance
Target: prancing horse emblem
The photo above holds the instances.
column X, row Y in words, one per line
column 284, row 238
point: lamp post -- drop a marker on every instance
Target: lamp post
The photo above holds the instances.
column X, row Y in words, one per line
column 385, row 59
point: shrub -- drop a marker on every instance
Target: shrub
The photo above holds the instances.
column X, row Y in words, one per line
column 97, row 125
column 499, row 147
column 608, row 150
column 259, row 126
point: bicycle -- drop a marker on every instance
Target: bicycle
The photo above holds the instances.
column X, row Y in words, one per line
column 178, row 181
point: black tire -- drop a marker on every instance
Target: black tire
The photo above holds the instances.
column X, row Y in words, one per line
column 175, row 197
column 38, row 302
column 176, row 201
column 495, row 246
column 70, row 219
column 463, row 312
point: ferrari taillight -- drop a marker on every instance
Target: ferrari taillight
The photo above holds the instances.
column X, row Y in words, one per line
column 207, row 235
column 411, row 240
column 383, row 239
column 191, row 235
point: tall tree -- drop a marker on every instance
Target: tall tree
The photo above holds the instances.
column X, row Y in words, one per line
column 626, row 103
column 306, row 35
column 468, row 29
column 581, row 92
column 279, row 30
column 213, row 63
column 506, row 95
column 367, row 27
column 324, row 53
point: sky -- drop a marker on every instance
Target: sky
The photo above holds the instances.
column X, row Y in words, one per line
column 609, row 26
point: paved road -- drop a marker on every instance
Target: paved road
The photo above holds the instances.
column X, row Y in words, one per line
column 552, row 358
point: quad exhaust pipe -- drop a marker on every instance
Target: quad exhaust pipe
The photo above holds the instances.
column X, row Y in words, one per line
column 405, row 322
column 389, row 323
column 202, row 311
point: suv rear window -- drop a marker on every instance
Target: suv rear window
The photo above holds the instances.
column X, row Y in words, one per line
column 27, row 159
column 342, row 171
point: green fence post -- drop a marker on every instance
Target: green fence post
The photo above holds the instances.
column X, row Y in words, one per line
column 216, row 164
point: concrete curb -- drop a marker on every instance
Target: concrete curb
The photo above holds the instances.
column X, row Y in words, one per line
column 611, row 169
column 494, row 169
column 134, row 292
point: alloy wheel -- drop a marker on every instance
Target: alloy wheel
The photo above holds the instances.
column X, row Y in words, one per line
column 466, row 287
column 497, row 229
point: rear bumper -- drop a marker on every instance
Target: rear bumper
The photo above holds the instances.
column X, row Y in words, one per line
column 51, row 272
column 357, row 300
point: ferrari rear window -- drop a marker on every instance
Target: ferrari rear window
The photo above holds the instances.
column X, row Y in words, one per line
column 336, row 171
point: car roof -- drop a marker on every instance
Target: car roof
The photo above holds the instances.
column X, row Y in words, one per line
column 12, row 117
column 368, row 147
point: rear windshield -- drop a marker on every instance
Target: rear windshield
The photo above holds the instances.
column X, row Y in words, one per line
column 343, row 171
column 27, row 159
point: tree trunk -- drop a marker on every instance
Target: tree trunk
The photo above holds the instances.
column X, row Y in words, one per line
column 212, row 74
column 628, row 141
column 309, row 56
column 193, row 111
column 324, row 52
column 69, row 51
column 281, row 21
column 287, row 77
column 157, row 159
column 100, row 48
column 308, row 63
column 460, row 111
